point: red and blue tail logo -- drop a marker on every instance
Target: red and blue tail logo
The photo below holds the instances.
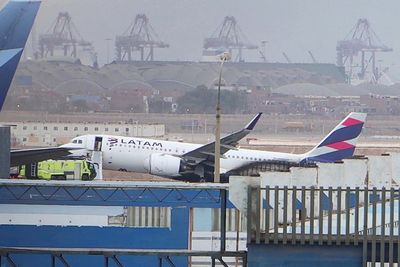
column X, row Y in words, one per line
column 340, row 143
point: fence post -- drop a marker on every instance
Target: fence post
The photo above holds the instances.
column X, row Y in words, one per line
column 253, row 201
column 223, row 220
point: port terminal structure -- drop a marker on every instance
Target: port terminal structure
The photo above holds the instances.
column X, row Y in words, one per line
column 332, row 214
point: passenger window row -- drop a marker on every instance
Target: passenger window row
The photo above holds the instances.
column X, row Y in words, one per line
column 183, row 151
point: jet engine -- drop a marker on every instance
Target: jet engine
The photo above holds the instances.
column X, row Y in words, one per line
column 164, row 165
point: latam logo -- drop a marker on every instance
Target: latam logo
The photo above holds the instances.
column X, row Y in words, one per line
column 115, row 141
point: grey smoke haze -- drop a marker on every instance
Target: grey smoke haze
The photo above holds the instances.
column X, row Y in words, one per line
column 293, row 26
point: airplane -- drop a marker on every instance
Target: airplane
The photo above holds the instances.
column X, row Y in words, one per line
column 16, row 20
column 194, row 162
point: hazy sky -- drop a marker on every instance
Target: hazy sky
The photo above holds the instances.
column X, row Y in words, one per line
column 293, row 26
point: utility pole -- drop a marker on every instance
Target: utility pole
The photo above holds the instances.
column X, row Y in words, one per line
column 224, row 57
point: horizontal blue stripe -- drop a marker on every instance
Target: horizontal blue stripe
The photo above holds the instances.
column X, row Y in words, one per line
column 343, row 134
column 332, row 156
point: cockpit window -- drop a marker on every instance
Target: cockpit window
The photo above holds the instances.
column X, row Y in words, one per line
column 74, row 142
column 79, row 141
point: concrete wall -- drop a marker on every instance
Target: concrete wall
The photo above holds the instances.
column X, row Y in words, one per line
column 373, row 171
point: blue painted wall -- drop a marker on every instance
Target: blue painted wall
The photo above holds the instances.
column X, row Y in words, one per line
column 304, row 255
column 99, row 237
column 177, row 237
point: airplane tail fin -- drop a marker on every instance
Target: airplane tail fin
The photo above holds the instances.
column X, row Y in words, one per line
column 16, row 20
column 340, row 143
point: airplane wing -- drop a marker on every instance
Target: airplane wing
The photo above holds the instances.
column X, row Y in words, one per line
column 206, row 153
column 25, row 156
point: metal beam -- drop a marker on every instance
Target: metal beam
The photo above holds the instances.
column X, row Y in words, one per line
column 117, row 184
column 118, row 251
column 63, row 261
column 108, row 253
column 168, row 259
column 110, row 193
column 10, row 261
column 115, row 259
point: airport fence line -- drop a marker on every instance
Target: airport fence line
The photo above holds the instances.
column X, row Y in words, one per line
column 365, row 217
column 146, row 204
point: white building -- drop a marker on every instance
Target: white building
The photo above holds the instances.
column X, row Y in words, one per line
column 57, row 133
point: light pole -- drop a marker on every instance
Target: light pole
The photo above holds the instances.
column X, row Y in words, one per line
column 224, row 57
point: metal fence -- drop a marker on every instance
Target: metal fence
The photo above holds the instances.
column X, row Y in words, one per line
column 144, row 202
column 368, row 218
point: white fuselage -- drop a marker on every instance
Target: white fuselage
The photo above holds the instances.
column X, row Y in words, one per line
column 131, row 154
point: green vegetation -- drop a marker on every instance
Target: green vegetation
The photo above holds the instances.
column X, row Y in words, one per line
column 204, row 100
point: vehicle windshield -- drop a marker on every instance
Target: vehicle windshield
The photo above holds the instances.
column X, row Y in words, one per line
column 92, row 169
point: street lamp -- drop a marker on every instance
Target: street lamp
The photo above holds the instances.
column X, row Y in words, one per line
column 224, row 57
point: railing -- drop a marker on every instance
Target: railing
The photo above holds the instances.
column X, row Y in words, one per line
column 159, row 194
column 129, row 194
column 326, row 216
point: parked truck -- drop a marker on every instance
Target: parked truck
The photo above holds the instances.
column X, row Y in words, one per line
column 79, row 169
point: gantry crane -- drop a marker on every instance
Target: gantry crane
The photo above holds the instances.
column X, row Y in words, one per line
column 64, row 37
column 139, row 38
column 362, row 43
column 229, row 37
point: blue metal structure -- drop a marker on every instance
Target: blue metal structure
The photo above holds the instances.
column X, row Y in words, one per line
column 306, row 226
column 109, row 193
column 181, row 197
column 98, row 237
